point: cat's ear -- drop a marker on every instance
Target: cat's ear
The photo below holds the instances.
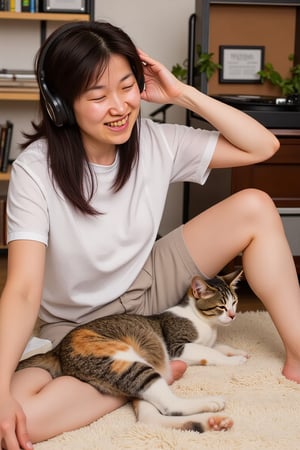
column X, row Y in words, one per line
column 233, row 278
column 201, row 289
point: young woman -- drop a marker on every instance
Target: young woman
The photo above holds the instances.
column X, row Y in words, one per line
column 85, row 201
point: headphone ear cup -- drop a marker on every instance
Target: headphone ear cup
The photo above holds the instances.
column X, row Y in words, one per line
column 58, row 111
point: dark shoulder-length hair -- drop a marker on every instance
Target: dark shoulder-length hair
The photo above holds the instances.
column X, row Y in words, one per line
column 69, row 61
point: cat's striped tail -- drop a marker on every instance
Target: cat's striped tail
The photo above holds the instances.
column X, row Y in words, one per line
column 48, row 361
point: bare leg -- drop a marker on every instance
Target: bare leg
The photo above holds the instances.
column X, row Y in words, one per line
column 248, row 222
column 55, row 406
column 65, row 403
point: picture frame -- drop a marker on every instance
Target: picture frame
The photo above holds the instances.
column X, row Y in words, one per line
column 65, row 6
column 240, row 63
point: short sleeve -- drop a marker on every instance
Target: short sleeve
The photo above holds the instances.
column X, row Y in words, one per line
column 27, row 212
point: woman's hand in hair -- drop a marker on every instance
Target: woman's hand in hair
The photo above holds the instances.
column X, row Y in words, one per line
column 161, row 86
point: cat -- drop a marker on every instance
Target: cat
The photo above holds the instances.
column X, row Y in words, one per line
column 128, row 355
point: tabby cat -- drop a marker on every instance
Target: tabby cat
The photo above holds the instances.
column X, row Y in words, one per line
column 128, row 355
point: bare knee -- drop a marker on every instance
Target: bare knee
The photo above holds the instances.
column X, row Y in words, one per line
column 255, row 203
column 255, row 197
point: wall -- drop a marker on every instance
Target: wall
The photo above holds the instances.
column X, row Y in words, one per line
column 158, row 27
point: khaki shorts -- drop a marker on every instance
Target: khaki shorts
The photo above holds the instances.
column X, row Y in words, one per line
column 162, row 283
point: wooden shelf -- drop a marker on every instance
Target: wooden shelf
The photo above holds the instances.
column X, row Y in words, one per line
column 286, row 132
column 63, row 17
column 5, row 176
column 19, row 94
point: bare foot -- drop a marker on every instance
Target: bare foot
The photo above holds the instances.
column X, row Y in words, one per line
column 178, row 368
column 220, row 423
column 292, row 371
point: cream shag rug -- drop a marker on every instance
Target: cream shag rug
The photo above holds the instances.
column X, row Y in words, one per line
column 264, row 405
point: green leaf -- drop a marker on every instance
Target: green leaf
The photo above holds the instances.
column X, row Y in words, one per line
column 288, row 85
column 203, row 64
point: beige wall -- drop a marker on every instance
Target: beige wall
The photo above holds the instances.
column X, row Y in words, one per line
column 159, row 27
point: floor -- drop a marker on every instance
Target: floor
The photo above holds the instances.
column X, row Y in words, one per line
column 247, row 300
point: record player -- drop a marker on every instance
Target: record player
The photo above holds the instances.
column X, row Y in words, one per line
column 273, row 112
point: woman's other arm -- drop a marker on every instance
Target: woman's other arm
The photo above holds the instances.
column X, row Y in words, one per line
column 19, row 306
column 242, row 141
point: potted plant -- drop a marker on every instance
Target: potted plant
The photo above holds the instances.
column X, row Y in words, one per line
column 203, row 64
column 288, row 86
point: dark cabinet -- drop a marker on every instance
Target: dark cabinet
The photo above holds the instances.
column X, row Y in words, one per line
column 279, row 177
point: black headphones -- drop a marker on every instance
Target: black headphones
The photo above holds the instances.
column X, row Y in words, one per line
column 59, row 112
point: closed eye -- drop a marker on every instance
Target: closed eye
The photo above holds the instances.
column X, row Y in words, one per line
column 128, row 87
column 98, row 99
column 223, row 308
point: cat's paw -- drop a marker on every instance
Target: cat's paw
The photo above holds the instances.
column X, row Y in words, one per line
column 219, row 423
column 213, row 404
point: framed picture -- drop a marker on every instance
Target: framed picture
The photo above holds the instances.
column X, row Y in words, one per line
column 241, row 64
column 65, row 6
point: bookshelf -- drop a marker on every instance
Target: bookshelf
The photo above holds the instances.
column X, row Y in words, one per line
column 43, row 18
column 31, row 94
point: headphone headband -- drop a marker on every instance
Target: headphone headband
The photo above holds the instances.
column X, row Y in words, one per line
column 59, row 112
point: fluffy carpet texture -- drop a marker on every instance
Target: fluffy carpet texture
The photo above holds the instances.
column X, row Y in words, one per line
column 264, row 405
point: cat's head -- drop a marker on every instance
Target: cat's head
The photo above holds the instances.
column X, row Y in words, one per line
column 216, row 298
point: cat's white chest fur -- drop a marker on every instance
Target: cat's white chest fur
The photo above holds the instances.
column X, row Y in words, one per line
column 204, row 350
column 207, row 333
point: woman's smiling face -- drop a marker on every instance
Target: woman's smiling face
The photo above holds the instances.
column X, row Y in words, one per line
column 107, row 111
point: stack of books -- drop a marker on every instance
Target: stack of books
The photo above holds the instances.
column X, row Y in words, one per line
column 6, row 130
column 20, row 5
column 12, row 79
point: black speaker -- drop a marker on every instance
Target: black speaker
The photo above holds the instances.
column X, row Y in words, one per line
column 60, row 113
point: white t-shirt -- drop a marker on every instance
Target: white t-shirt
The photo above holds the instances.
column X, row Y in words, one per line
column 92, row 260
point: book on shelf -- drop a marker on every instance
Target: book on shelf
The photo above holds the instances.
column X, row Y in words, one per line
column 25, row 5
column 15, row 79
column 17, row 6
column 2, row 138
column 29, row 6
column 17, row 74
column 4, row 5
column 18, row 84
column 3, row 220
column 5, row 144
